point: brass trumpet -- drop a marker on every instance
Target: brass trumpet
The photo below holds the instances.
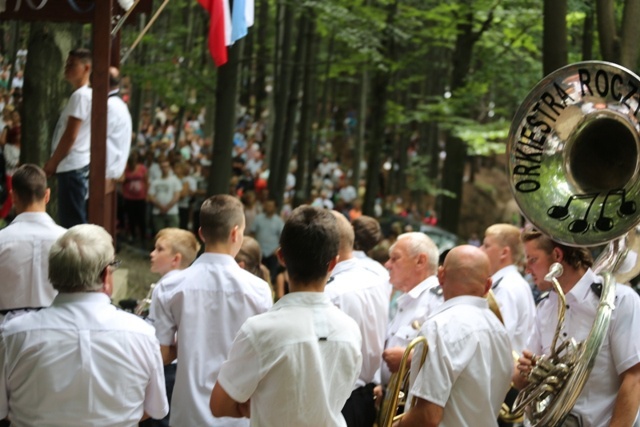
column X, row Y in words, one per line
column 142, row 309
column 398, row 389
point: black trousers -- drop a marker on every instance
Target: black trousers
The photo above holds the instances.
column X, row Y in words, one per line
column 360, row 409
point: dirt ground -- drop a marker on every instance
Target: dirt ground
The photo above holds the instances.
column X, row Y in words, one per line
column 133, row 278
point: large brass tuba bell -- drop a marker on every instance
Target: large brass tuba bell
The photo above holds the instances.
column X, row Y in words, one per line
column 573, row 168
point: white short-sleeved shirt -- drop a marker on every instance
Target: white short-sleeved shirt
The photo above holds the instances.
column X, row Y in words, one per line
column 163, row 190
column 468, row 366
column 24, row 261
column 79, row 106
column 413, row 309
column 205, row 304
column 80, row 362
column 119, row 130
column 515, row 300
column 362, row 295
column 297, row 363
column 619, row 352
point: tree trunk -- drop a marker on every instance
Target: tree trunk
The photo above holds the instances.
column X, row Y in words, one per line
column 261, row 60
column 630, row 34
column 44, row 88
column 609, row 43
column 361, row 133
column 380, row 85
column 322, row 116
column 554, row 39
column 282, row 79
column 453, row 170
column 302, row 191
column 292, row 109
column 225, row 120
column 587, row 35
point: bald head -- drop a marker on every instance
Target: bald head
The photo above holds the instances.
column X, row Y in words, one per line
column 465, row 271
column 114, row 78
column 346, row 235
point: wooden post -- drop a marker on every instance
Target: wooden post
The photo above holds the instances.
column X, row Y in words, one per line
column 99, row 210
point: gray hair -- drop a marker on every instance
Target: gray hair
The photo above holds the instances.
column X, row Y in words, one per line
column 79, row 257
column 419, row 243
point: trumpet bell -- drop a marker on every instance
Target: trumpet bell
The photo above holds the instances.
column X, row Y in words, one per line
column 573, row 153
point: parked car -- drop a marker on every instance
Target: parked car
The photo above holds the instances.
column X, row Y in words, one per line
column 445, row 240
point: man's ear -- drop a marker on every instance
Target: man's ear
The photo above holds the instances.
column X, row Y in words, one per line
column 422, row 259
column 47, row 195
column 200, row 234
column 441, row 274
column 333, row 262
column 487, row 285
column 505, row 252
column 557, row 254
column 177, row 259
column 107, row 281
column 280, row 257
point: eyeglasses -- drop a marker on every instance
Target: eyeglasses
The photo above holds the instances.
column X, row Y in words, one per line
column 113, row 265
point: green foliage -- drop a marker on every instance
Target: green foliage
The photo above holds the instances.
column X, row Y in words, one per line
column 418, row 178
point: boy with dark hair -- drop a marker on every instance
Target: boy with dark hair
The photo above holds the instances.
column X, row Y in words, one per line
column 304, row 352
column 25, row 243
column 203, row 308
column 72, row 143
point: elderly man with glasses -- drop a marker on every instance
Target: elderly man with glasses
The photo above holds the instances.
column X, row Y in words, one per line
column 80, row 361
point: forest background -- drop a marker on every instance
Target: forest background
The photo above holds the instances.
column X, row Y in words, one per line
column 420, row 91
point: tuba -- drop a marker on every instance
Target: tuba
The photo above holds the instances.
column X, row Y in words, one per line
column 573, row 170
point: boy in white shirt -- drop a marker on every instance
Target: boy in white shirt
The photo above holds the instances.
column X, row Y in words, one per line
column 304, row 352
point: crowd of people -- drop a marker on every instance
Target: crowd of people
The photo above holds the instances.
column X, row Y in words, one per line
column 218, row 344
column 288, row 316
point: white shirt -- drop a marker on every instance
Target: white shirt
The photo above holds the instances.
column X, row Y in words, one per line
column 24, row 261
column 298, row 363
column 206, row 304
column 79, row 106
column 515, row 300
column 413, row 309
column 363, row 296
column 468, row 366
column 371, row 264
column 164, row 190
column 119, row 130
column 80, row 362
column 619, row 352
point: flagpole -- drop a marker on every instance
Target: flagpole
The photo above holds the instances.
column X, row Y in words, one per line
column 144, row 31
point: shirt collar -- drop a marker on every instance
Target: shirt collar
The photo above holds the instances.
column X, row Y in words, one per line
column 462, row 300
column 302, row 298
column 427, row 284
column 359, row 254
column 582, row 290
column 33, row 217
column 215, row 258
column 81, row 297
column 169, row 274
column 343, row 266
column 503, row 272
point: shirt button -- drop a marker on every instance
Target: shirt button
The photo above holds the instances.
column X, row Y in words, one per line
column 564, row 334
column 400, row 310
column 567, row 306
